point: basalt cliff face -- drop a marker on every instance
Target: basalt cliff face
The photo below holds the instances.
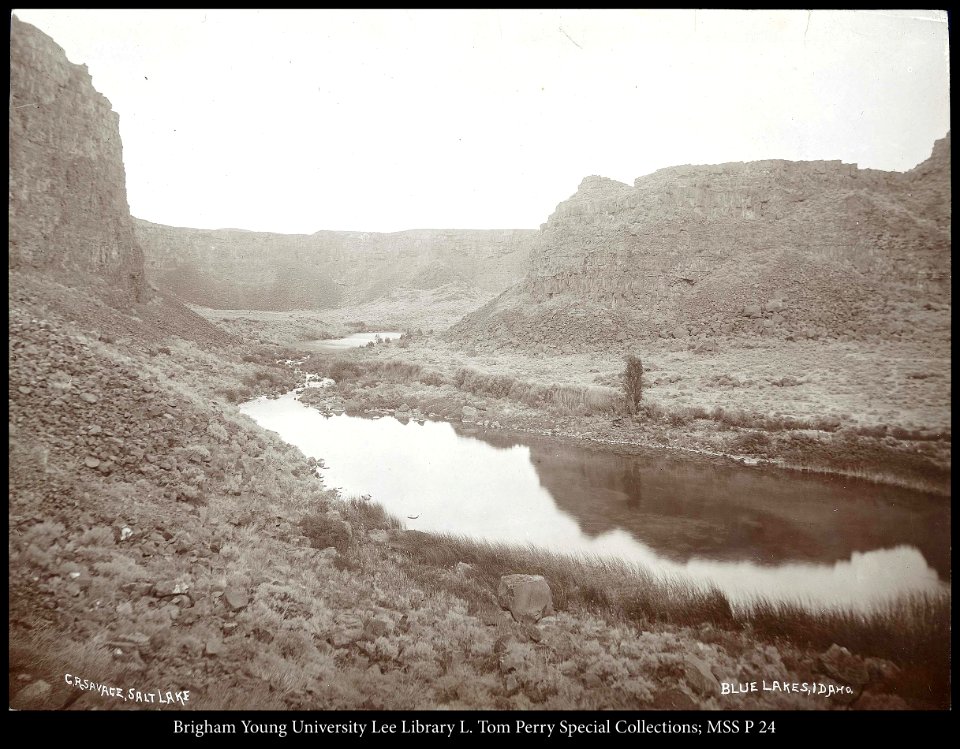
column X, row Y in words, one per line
column 768, row 247
column 68, row 209
column 234, row 269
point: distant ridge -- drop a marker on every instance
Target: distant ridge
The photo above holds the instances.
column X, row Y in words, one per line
column 238, row 269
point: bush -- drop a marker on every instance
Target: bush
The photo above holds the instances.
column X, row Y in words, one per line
column 633, row 383
column 756, row 443
column 433, row 378
column 324, row 531
column 343, row 370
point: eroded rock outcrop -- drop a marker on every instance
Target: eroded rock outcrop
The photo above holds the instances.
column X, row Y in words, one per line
column 766, row 247
column 68, row 206
column 235, row 269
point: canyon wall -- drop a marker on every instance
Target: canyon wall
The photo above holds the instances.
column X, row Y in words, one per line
column 68, row 211
column 767, row 247
column 235, row 269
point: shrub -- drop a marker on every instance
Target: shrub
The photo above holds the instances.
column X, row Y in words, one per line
column 633, row 383
column 433, row 378
column 343, row 370
column 324, row 531
column 234, row 395
column 651, row 412
column 751, row 442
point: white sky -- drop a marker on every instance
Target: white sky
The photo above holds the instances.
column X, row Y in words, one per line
column 295, row 121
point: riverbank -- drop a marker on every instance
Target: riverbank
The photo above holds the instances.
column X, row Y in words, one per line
column 162, row 541
column 906, row 441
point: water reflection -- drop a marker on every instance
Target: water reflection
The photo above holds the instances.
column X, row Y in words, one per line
column 820, row 541
column 354, row 340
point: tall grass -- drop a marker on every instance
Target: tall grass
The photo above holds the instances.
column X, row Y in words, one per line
column 348, row 370
column 589, row 398
column 913, row 632
column 611, row 586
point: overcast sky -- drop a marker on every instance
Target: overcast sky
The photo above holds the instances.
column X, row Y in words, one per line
column 295, row 121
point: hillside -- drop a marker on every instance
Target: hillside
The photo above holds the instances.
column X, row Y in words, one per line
column 234, row 269
column 788, row 249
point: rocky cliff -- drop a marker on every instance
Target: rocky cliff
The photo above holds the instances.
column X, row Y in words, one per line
column 767, row 247
column 68, row 207
column 234, row 269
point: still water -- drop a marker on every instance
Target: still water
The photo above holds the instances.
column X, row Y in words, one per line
column 820, row 541
column 354, row 340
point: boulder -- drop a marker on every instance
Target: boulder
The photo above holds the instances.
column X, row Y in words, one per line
column 700, row 676
column 169, row 588
column 32, row 696
column 469, row 414
column 213, row 647
column 527, row 597
column 881, row 670
column 236, row 598
column 842, row 665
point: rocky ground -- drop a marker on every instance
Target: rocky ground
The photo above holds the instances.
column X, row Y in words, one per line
column 162, row 544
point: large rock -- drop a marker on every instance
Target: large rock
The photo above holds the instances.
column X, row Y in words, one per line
column 527, row 597
column 170, row 588
column 700, row 676
column 842, row 665
column 469, row 415
column 32, row 697
column 236, row 597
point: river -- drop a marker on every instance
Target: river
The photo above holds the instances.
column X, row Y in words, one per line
column 815, row 540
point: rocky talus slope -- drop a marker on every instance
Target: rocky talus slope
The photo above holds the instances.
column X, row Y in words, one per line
column 790, row 249
column 234, row 269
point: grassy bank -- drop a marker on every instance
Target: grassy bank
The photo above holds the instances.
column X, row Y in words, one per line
column 911, row 632
column 914, row 457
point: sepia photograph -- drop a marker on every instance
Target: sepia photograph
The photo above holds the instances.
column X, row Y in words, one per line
column 586, row 367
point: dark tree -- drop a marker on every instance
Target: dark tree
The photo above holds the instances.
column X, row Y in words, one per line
column 633, row 383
